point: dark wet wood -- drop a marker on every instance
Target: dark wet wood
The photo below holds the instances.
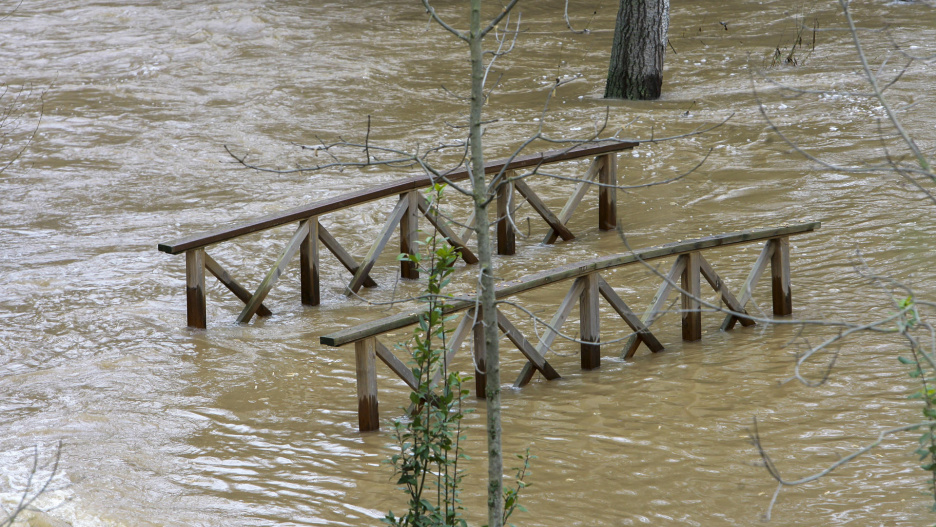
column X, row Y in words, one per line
column 351, row 199
column 393, row 219
column 341, row 254
column 267, row 284
column 395, row 364
column 780, row 278
column 225, row 278
column 607, row 193
column 309, row 287
column 691, row 293
column 589, row 324
column 723, row 292
column 365, row 352
column 552, row 331
column 574, row 270
column 643, row 332
column 656, row 305
column 479, row 354
column 409, row 234
column 763, row 259
column 542, row 210
column 581, row 188
column 195, row 299
column 506, row 237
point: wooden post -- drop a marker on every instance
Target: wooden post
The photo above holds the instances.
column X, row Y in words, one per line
column 309, row 265
column 607, row 193
column 196, row 302
column 365, row 355
column 479, row 354
column 589, row 323
column 692, row 290
column 409, row 234
column 780, row 277
column 506, row 238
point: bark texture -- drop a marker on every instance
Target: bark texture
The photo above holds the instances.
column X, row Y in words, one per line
column 636, row 70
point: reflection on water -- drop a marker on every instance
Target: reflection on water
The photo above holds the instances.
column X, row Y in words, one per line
column 256, row 425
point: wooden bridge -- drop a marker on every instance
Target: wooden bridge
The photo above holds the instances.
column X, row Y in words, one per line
column 689, row 267
column 405, row 214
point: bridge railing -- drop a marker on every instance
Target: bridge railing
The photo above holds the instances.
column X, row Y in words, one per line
column 587, row 286
column 405, row 215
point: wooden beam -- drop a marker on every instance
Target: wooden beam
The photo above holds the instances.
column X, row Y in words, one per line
column 569, row 271
column 196, row 301
column 552, row 330
column 359, row 197
column 691, row 293
column 747, row 290
column 341, row 254
column 270, row 279
column 309, row 266
column 656, row 305
column 723, row 292
column 543, row 211
column 395, row 364
column 607, row 193
column 506, row 237
column 229, row 282
column 393, row 219
column 580, row 189
column 522, row 344
column 780, row 278
column 480, row 376
column 366, row 372
column 434, row 218
column 590, row 324
column 409, row 234
column 631, row 318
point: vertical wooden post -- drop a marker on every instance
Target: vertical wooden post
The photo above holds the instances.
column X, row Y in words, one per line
column 309, row 265
column 365, row 355
column 607, row 193
column 409, row 233
column 479, row 354
column 589, row 324
column 196, row 302
column 780, row 277
column 692, row 291
column 506, row 238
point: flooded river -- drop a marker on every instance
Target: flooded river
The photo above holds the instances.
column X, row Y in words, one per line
column 256, row 424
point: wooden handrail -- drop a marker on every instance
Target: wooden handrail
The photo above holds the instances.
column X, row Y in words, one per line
column 351, row 199
column 384, row 325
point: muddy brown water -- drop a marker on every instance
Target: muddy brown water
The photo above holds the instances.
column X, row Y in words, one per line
column 256, row 424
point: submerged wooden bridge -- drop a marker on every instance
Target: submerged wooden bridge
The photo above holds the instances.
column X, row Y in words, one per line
column 690, row 266
column 404, row 214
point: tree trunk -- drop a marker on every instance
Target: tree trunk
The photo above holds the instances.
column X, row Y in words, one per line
column 636, row 70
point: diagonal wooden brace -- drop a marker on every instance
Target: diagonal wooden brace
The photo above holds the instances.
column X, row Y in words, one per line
column 433, row 216
column 341, row 254
column 656, row 306
column 580, row 189
column 631, row 318
column 552, row 331
column 291, row 249
column 393, row 219
column 747, row 290
column 514, row 335
column 723, row 292
column 239, row 291
column 540, row 207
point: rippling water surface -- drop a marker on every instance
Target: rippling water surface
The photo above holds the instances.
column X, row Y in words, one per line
column 256, row 424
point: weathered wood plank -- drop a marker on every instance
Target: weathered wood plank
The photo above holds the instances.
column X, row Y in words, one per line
column 656, row 305
column 624, row 311
column 480, row 376
column 522, row 344
column 469, row 228
column 506, row 237
column 351, row 199
column 607, row 193
column 439, row 223
column 552, row 331
column 196, row 301
column 395, row 364
column 723, row 292
column 691, row 293
column 543, row 210
column 581, row 188
column 393, row 219
column 341, row 254
column 747, row 290
column 225, row 278
column 365, row 352
column 409, row 234
column 780, row 278
column 270, row 279
column 574, row 270
column 310, row 290
column 589, row 324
